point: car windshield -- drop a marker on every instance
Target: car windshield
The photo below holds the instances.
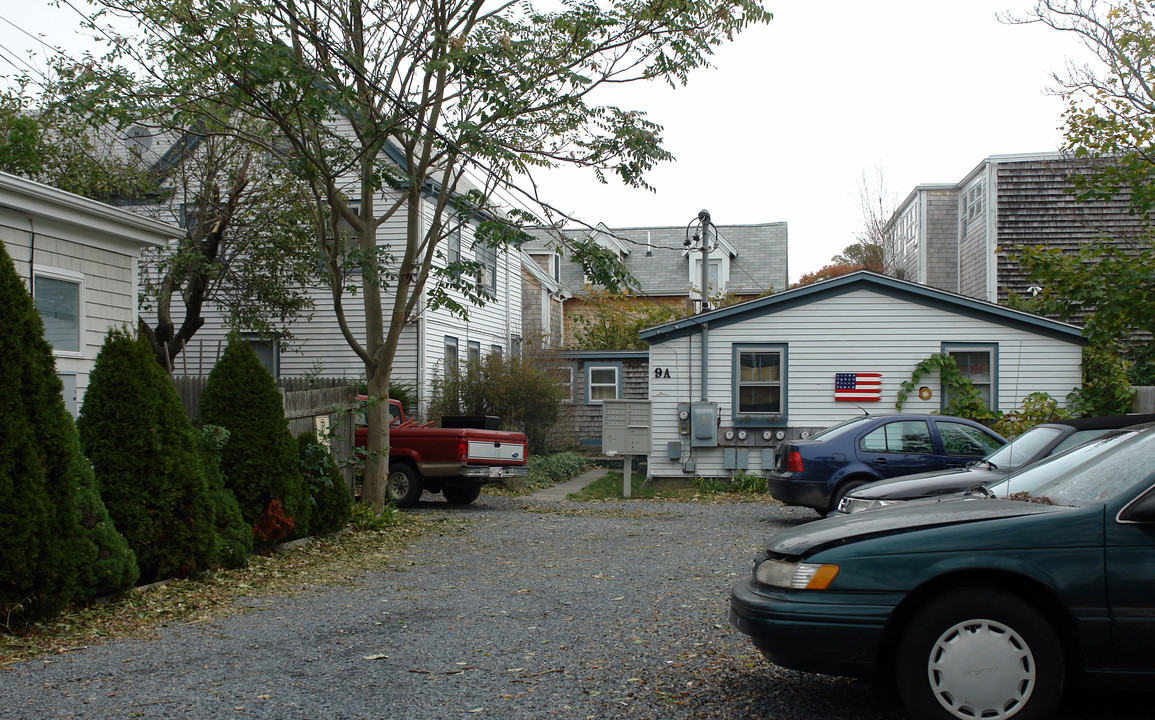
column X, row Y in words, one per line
column 1023, row 448
column 835, row 430
column 1116, row 470
column 1083, row 474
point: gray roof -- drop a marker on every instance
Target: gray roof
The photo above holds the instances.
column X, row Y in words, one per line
column 657, row 258
column 863, row 279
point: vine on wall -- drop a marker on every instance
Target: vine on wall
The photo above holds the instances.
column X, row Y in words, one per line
column 963, row 398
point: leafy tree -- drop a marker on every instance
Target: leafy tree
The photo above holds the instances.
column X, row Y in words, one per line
column 522, row 391
column 387, row 106
column 1110, row 122
column 332, row 503
column 828, row 272
column 221, row 189
column 614, row 320
column 259, row 461
column 49, row 558
column 134, row 429
column 865, row 254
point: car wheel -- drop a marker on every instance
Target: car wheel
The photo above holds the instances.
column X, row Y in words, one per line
column 843, row 490
column 403, row 486
column 461, row 494
column 979, row 653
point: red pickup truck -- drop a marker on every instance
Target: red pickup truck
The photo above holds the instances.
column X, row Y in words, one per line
column 453, row 461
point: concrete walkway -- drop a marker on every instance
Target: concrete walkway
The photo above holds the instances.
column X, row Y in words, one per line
column 558, row 492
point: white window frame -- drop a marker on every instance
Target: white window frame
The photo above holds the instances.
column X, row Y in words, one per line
column 76, row 278
column 992, row 381
column 451, row 345
column 590, row 384
column 973, row 202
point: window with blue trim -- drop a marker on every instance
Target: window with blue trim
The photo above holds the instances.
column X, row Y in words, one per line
column 976, row 362
column 759, row 383
column 603, row 382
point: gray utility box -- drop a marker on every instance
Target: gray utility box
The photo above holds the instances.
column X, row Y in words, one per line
column 626, row 427
column 704, row 424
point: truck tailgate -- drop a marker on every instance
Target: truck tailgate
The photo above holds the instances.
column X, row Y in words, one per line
column 490, row 450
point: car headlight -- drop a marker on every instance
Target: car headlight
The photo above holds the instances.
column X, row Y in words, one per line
column 798, row 576
column 851, row 505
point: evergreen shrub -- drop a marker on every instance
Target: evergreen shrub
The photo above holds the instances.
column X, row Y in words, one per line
column 259, row 462
column 332, row 503
column 42, row 475
column 235, row 536
column 145, row 453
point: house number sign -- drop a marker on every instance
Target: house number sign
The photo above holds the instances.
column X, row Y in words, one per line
column 661, row 373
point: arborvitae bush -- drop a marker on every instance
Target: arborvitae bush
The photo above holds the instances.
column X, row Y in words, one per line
column 259, row 461
column 114, row 567
column 332, row 503
column 236, row 537
column 44, row 545
column 135, row 430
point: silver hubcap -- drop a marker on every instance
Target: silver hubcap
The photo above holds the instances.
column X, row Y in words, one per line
column 398, row 485
column 981, row 669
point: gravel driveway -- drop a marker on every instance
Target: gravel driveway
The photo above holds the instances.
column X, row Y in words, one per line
column 520, row 609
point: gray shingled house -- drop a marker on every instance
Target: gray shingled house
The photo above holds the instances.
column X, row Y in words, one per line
column 960, row 237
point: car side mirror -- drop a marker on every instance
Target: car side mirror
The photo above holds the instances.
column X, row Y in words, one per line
column 1140, row 511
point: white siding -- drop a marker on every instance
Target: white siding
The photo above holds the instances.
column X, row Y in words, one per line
column 860, row 331
column 319, row 346
column 102, row 263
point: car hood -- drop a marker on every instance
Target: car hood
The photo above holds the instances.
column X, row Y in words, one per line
column 810, row 538
column 909, row 487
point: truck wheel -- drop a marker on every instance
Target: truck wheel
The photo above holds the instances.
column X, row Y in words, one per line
column 461, row 494
column 979, row 653
column 403, row 486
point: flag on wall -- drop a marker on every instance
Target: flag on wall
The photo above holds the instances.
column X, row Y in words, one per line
column 858, row 386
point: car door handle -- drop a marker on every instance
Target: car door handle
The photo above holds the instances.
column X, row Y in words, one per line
column 881, row 461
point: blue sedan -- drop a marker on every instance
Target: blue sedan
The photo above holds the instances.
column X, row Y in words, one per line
column 819, row 471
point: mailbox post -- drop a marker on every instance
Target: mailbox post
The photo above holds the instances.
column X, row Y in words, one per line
column 626, row 432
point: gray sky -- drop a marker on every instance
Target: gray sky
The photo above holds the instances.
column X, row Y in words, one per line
column 795, row 113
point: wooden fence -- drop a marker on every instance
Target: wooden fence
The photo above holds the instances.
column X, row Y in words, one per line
column 323, row 406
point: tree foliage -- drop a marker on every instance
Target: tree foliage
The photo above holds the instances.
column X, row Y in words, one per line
column 1110, row 122
column 135, row 431
column 259, row 461
column 614, row 320
column 522, row 391
column 420, row 113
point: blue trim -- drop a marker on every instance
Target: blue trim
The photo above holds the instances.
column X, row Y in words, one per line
column 778, row 419
column 595, row 355
column 617, row 366
column 991, row 347
column 865, row 280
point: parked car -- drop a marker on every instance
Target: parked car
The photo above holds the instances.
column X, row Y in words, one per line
column 1039, row 442
column 974, row 606
column 818, row 472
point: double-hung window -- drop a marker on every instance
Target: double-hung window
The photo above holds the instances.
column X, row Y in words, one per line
column 59, row 297
column 603, row 382
column 978, row 363
column 474, row 353
column 759, row 373
column 452, row 361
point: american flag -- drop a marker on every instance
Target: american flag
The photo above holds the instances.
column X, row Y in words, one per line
column 858, row 386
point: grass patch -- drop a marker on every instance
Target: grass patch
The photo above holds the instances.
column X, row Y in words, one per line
column 544, row 471
column 328, row 561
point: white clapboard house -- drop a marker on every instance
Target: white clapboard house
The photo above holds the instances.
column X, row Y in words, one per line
column 727, row 385
column 80, row 259
column 433, row 340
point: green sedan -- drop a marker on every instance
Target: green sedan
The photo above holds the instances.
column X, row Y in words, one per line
column 983, row 606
